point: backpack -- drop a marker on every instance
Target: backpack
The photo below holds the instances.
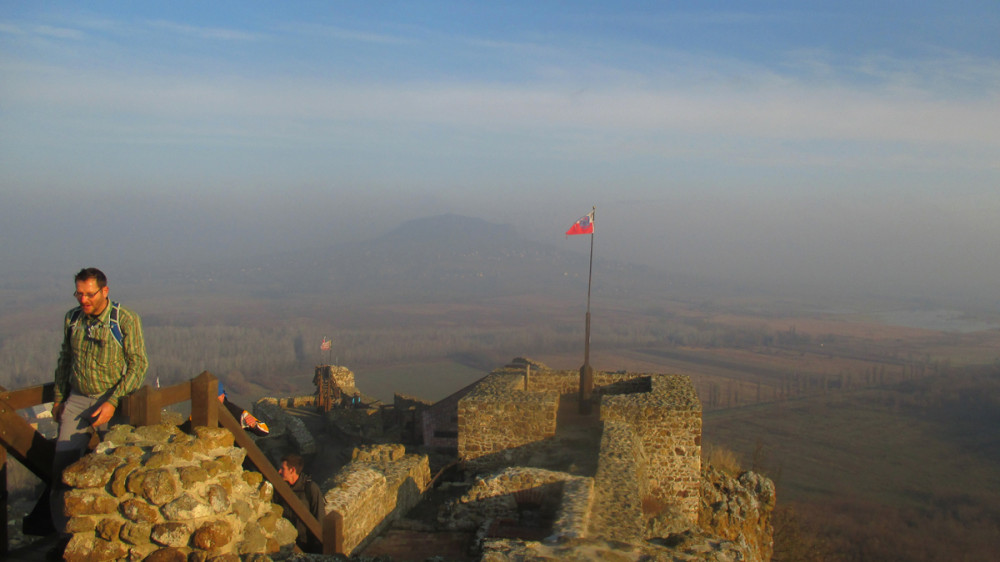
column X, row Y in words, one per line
column 116, row 330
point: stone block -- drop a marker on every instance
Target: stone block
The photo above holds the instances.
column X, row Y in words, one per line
column 108, row 528
column 139, row 511
column 213, row 535
column 157, row 486
column 186, row 508
column 92, row 471
column 169, row 554
column 214, row 437
column 85, row 548
column 172, row 533
column 89, row 501
column 119, row 480
column 135, row 533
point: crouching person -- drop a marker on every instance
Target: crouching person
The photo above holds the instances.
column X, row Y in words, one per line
column 309, row 494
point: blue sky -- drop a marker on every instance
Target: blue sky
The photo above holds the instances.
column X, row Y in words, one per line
column 810, row 142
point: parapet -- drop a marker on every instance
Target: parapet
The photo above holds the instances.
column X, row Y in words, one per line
column 512, row 413
column 380, row 484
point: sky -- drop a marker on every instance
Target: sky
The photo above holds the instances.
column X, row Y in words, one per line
column 841, row 146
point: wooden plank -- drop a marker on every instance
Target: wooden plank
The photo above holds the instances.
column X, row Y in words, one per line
column 259, row 459
column 174, row 394
column 27, row 397
column 28, row 446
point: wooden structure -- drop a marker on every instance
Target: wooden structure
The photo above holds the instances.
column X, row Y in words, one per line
column 328, row 391
column 143, row 407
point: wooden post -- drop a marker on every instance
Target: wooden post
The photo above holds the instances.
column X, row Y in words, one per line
column 143, row 407
column 204, row 398
column 333, row 533
column 586, row 389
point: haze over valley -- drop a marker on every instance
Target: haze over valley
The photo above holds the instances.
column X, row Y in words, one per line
column 796, row 206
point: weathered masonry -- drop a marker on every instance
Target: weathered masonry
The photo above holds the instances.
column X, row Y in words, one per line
column 651, row 449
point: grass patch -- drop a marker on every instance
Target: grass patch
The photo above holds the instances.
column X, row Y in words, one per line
column 868, row 469
column 723, row 459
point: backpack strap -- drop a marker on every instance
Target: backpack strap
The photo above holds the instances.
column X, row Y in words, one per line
column 75, row 317
column 116, row 330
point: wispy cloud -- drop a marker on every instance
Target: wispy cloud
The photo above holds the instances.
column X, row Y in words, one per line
column 345, row 34
column 211, row 33
column 45, row 31
column 771, row 109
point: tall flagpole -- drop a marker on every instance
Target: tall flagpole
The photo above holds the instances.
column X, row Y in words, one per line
column 586, row 372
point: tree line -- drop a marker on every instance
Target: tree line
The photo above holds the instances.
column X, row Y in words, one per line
column 269, row 355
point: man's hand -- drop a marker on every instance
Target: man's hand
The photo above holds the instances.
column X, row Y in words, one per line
column 57, row 410
column 102, row 415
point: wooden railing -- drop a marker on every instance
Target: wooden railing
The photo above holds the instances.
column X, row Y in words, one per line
column 143, row 407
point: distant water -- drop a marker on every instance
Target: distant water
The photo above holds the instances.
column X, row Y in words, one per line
column 942, row 320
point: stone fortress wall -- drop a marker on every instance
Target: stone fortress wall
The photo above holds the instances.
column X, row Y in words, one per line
column 380, row 484
column 651, row 452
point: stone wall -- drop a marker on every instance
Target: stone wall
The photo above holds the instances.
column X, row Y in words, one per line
column 284, row 426
column 667, row 420
column 290, row 401
column 342, row 377
column 156, row 493
column 499, row 422
column 380, row 484
column 366, row 422
column 498, row 496
column 439, row 422
column 621, row 485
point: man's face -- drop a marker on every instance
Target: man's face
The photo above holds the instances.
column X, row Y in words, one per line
column 288, row 474
column 92, row 299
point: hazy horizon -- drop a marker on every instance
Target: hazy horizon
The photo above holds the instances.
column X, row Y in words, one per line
column 804, row 147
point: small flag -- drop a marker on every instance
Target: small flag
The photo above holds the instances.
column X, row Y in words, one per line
column 585, row 225
column 326, row 345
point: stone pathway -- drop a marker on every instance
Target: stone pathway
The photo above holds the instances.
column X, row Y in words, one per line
column 407, row 546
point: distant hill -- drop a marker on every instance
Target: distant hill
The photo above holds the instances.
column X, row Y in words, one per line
column 445, row 257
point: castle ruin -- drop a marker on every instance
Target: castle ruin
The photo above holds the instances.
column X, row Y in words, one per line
column 530, row 477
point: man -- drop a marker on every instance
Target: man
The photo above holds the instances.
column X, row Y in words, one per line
column 309, row 494
column 102, row 359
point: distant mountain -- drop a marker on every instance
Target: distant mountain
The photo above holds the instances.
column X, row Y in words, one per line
column 446, row 257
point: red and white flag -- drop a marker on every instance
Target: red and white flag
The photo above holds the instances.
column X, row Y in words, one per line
column 326, row 345
column 585, row 225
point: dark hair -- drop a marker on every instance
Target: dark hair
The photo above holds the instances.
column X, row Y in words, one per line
column 294, row 460
column 92, row 273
